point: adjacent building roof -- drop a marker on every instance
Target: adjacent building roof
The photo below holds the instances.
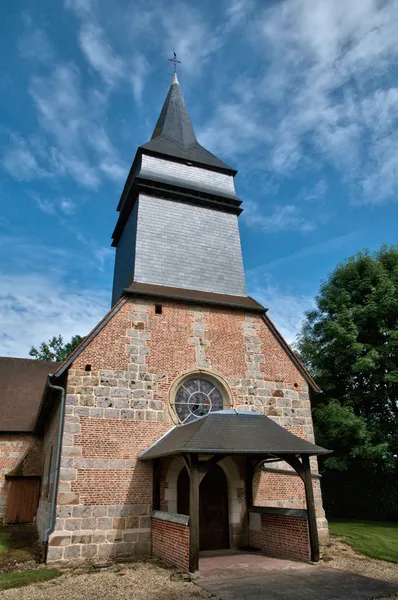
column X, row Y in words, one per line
column 231, row 432
column 174, row 134
column 22, row 382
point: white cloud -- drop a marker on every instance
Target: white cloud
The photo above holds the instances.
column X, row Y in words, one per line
column 324, row 95
column 286, row 310
column 20, row 161
column 282, row 218
column 45, row 206
column 316, row 193
column 100, row 54
column 33, row 308
column 67, row 206
column 35, row 45
column 72, row 141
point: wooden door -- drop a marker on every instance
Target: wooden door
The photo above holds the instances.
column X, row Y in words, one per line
column 213, row 510
column 22, row 499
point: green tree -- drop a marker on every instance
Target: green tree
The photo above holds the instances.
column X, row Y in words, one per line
column 350, row 344
column 55, row 349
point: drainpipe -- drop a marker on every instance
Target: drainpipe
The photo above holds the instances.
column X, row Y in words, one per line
column 53, row 508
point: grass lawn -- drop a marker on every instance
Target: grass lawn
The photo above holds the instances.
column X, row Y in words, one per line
column 4, row 541
column 18, row 543
column 376, row 539
column 16, row 579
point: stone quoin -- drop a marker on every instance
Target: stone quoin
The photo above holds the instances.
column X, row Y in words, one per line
column 123, row 436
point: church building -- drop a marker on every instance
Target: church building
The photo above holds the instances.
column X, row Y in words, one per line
column 182, row 423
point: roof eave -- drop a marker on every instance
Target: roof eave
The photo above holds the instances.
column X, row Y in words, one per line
column 191, row 300
column 279, row 453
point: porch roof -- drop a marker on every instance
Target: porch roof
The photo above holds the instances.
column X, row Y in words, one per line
column 231, row 432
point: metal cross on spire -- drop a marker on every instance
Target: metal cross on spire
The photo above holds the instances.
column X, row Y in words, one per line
column 174, row 60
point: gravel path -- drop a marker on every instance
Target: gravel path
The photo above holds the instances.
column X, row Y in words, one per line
column 133, row 581
column 340, row 555
column 149, row 581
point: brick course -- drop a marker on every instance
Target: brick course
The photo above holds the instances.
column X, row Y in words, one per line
column 170, row 542
column 283, row 536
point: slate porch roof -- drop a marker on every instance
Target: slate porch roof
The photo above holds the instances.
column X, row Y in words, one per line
column 231, row 432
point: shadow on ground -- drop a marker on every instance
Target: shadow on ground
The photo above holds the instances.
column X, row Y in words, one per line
column 316, row 583
column 19, row 544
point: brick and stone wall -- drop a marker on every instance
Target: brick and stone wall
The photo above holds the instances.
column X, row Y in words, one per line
column 280, row 535
column 170, row 542
column 118, row 403
column 49, row 448
column 13, row 447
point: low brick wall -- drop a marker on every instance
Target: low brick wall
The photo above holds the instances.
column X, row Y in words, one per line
column 170, row 542
column 284, row 536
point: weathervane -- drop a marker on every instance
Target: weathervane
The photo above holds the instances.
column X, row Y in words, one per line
column 174, row 60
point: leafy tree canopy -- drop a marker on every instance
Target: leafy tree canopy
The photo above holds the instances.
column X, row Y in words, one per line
column 55, row 349
column 350, row 344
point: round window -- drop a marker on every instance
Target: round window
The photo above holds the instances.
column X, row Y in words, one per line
column 195, row 398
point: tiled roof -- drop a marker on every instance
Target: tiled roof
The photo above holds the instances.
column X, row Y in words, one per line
column 231, row 432
column 22, row 384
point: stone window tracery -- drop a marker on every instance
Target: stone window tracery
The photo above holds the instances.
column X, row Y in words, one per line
column 196, row 397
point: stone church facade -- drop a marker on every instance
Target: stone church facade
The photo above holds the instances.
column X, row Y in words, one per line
column 182, row 343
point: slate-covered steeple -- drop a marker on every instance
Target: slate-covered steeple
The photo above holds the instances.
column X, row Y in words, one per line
column 174, row 134
column 178, row 225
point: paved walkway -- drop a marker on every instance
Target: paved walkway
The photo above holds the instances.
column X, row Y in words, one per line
column 235, row 563
column 233, row 575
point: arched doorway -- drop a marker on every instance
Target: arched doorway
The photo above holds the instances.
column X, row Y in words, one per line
column 213, row 510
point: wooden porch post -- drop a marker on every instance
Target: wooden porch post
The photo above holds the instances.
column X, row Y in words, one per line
column 155, row 484
column 194, row 514
column 249, row 482
column 311, row 513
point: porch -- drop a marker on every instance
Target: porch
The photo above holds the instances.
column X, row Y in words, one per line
column 206, row 469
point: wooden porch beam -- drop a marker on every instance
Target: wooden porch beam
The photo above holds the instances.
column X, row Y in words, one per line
column 187, row 460
column 311, row 512
column 249, row 482
column 194, row 514
column 155, row 484
column 205, row 464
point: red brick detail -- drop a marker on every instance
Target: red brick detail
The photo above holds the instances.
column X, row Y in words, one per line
column 108, row 350
column 31, row 463
column 114, row 486
column 282, row 536
column 278, row 489
column 116, row 438
column 277, row 366
column 170, row 331
column 226, row 350
column 170, row 542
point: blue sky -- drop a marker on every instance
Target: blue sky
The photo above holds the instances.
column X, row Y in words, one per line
column 300, row 96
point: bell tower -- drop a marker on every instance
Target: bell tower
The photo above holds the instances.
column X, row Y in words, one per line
column 178, row 213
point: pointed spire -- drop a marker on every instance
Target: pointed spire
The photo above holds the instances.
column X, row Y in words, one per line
column 174, row 134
